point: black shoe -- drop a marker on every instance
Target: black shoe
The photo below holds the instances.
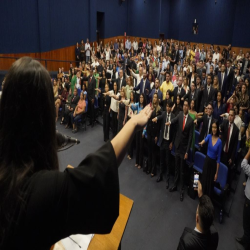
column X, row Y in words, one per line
column 173, row 189
column 181, row 196
column 159, row 179
column 167, row 186
column 240, row 240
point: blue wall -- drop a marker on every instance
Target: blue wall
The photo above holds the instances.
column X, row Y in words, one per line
column 44, row 25
column 216, row 21
column 18, row 30
column 149, row 18
column 241, row 33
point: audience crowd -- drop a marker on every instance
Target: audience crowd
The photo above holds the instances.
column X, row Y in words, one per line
column 193, row 91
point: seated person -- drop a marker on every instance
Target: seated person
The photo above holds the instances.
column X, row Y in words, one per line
column 61, row 99
column 204, row 236
column 70, row 108
column 79, row 110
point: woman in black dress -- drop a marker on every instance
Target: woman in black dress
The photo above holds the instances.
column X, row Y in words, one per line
column 212, row 161
column 106, row 113
column 130, row 113
column 153, row 130
column 122, row 110
column 177, row 106
column 137, row 108
column 102, row 82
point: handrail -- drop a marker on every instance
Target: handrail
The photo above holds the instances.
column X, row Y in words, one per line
column 39, row 59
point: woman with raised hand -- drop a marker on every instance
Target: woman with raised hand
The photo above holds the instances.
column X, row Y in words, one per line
column 122, row 110
column 34, row 193
column 153, row 131
column 212, row 161
column 138, row 107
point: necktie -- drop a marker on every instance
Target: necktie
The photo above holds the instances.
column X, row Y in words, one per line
column 179, row 90
column 208, row 90
column 228, row 134
column 183, row 125
column 208, row 124
column 166, row 128
column 121, row 83
column 222, row 79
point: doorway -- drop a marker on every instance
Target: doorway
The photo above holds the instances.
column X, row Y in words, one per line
column 162, row 36
column 100, row 29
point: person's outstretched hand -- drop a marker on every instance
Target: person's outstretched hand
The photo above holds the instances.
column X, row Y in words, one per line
column 142, row 118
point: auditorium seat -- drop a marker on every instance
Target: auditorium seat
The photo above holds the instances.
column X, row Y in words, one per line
column 196, row 143
column 220, row 189
column 199, row 160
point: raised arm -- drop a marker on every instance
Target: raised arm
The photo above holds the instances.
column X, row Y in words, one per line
column 123, row 139
column 244, row 165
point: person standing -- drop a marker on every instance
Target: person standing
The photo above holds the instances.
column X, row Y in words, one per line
column 122, row 110
column 206, row 120
column 182, row 144
column 114, row 95
column 91, row 96
column 82, row 51
column 245, row 239
column 229, row 136
column 144, row 86
column 137, row 108
column 166, row 139
column 212, row 161
column 207, row 94
column 204, row 235
column 167, row 85
column 87, row 50
column 106, row 113
column 77, row 54
column 152, row 136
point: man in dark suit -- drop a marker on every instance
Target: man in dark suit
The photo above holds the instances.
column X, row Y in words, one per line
column 192, row 95
column 204, row 236
column 203, row 77
column 174, row 57
column 121, row 81
column 207, row 121
column 229, row 136
column 91, row 96
column 69, row 108
column 144, row 86
column 177, row 90
column 222, row 76
column 230, row 76
column 183, row 140
column 126, row 64
column 156, row 90
column 245, row 64
column 207, row 94
column 167, row 135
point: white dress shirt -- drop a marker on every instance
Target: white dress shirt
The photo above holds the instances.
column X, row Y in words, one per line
column 138, row 78
column 78, row 83
column 87, row 46
column 114, row 105
column 166, row 135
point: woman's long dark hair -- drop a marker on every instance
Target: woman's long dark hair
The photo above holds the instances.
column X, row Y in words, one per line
column 144, row 100
column 27, row 134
